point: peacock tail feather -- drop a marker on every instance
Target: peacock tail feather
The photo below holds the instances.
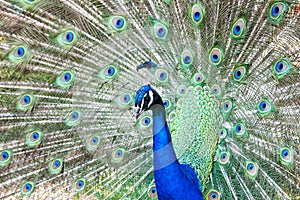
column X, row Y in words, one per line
column 228, row 73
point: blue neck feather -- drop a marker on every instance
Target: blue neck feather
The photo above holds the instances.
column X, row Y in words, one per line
column 173, row 180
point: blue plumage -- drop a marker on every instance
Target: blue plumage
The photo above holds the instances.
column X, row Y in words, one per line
column 173, row 181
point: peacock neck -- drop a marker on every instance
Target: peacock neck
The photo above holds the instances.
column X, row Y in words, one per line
column 164, row 153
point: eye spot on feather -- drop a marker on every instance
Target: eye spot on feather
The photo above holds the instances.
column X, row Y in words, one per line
column 79, row 185
column 146, row 121
column 216, row 56
column 161, row 76
column 166, row 103
column 286, row 156
column 240, row 129
column 264, row 107
column 109, row 72
column 5, row 157
column 152, row 192
column 26, row 100
column 160, row 30
column 18, row 53
column 276, row 12
column 198, row 79
column 238, row 28
column 92, row 143
column 118, row 155
column 223, row 134
column 216, row 90
column 186, row 58
column 181, row 90
column 197, row 14
column 73, row 118
column 67, row 38
column 118, row 23
column 35, row 136
column 65, row 79
column 213, row 195
column 251, row 169
column 55, row 166
column 27, row 188
column 126, row 98
column 281, row 68
column 224, row 157
column 172, row 115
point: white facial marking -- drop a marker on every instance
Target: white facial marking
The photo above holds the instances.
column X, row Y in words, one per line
column 151, row 98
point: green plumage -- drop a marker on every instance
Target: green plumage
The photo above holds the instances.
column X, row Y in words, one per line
column 228, row 73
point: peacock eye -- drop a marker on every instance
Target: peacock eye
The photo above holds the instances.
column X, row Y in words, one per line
column 227, row 106
column 109, row 72
column 224, row 157
column 144, row 122
column 92, row 143
column 26, row 99
column 118, row 23
column 55, row 166
column 181, row 90
column 18, row 53
column 223, row 133
column 79, row 185
column 67, row 38
column 251, row 169
column 213, row 195
column 281, row 68
column 73, row 118
column 25, row 102
column 186, row 58
column 172, row 115
column 277, row 9
column 216, row 56
column 152, row 192
column 286, row 156
column 197, row 14
column 160, row 30
column 65, row 79
column 264, row 107
column 27, row 188
column 240, row 129
column 239, row 73
column 216, row 89
column 162, row 76
column 34, row 138
column 238, row 28
column 198, row 79
column 124, row 101
column 5, row 157
column 118, row 155
column 166, row 103
column 276, row 12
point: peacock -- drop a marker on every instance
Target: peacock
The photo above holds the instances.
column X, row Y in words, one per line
column 150, row 99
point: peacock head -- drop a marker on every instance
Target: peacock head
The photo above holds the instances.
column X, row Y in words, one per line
column 145, row 98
